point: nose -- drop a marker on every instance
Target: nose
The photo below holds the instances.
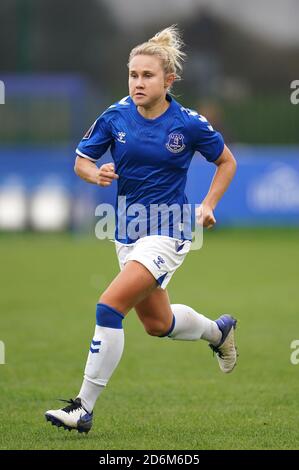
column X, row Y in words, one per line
column 139, row 83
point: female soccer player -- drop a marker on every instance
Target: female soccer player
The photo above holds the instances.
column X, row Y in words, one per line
column 152, row 140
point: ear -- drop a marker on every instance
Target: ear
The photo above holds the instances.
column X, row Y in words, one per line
column 169, row 79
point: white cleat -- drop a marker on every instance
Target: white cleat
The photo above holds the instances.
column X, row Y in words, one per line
column 73, row 416
column 226, row 351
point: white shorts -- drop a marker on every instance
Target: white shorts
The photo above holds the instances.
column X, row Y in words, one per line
column 161, row 255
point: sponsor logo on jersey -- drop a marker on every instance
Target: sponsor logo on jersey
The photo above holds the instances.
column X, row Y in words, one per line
column 121, row 137
column 175, row 143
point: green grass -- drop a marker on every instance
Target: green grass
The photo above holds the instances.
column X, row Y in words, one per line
column 164, row 394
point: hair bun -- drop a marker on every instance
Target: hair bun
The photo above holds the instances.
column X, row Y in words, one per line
column 168, row 37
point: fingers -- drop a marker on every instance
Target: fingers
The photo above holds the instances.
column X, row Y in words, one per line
column 107, row 171
column 205, row 217
column 209, row 222
column 106, row 174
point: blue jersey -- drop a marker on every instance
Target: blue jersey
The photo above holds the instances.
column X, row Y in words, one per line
column 151, row 157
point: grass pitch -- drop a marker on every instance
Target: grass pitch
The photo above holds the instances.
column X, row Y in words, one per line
column 164, row 394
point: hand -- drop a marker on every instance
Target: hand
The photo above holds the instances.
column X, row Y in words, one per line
column 105, row 174
column 205, row 216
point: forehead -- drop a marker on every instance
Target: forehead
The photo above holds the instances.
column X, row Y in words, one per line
column 145, row 62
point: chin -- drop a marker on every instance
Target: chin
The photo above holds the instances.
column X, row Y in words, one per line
column 140, row 100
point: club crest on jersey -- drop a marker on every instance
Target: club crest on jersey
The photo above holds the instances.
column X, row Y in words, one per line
column 175, row 143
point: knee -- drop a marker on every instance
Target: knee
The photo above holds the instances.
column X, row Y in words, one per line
column 113, row 301
column 107, row 297
column 156, row 329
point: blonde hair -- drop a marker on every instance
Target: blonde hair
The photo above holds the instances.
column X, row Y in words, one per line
column 167, row 45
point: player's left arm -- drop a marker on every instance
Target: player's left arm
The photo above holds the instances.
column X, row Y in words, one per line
column 226, row 168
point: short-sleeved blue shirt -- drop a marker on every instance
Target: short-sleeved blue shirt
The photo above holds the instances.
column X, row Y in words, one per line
column 151, row 156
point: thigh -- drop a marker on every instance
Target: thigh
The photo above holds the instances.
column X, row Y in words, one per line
column 155, row 312
column 132, row 285
column 161, row 255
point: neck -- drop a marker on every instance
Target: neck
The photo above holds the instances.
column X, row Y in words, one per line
column 155, row 109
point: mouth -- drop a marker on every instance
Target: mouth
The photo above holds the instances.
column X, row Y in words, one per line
column 139, row 94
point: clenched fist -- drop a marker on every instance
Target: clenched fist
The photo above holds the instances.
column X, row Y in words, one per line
column 106, row 174
column 205, row 216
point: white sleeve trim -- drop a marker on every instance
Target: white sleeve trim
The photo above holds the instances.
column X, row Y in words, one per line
column 85, row 156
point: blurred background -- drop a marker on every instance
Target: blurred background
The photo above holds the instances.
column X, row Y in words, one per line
column 63, row 62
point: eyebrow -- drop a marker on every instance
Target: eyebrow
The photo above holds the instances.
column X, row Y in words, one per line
column 143, row 71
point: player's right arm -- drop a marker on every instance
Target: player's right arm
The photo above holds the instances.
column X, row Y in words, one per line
column 88, row 171
column 93, row 145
